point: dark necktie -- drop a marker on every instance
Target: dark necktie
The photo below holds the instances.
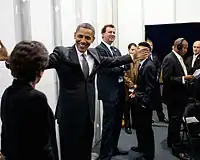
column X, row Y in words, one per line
column 85, row 67
column 113, row 51
column 139, row 67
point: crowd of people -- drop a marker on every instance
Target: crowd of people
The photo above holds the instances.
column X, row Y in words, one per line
column 127, row 85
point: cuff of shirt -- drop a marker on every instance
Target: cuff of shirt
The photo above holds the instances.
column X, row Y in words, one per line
column 183, row 79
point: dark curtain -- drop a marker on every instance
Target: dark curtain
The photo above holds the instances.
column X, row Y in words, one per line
column 163, row 36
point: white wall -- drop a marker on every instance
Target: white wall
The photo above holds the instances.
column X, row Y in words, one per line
column 7, row 35
column 148, row 12
column 41, row 30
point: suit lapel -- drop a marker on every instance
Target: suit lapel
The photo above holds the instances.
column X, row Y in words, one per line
column 197, row 61
column 94, row 54
column 73, row 56
column 178, row 63
column 106, row 48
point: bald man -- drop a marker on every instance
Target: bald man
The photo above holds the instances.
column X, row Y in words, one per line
column 193, row 63
column 175, row 92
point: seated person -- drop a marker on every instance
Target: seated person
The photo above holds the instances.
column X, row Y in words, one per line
column 28, row 129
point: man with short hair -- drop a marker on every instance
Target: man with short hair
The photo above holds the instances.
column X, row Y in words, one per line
column 175, row 92
column 145, row 97
column 111, row 91
column 193, row 63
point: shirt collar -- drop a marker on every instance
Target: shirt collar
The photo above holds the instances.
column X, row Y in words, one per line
column 196, row 55
column 107, row 45
column 142, row 62
column 79, row 53
column 177, row 55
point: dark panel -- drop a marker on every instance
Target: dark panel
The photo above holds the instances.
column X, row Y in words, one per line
column 164, row 35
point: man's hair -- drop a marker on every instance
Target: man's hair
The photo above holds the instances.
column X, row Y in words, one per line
column 145, row 44
column 148, row 40
column 131, row 44
column 27, row 60
column 87, row 26
column 103, row 30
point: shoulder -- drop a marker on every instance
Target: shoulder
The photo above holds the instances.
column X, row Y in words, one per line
column 169, row 56
column 150, row 64
column 62, row 49
column 37, row 95
column 99, row 47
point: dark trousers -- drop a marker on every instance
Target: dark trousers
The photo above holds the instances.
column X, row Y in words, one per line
column 127, row 117
column 158, row 103
column 129, row 112
column 175, row 113
column 144, row 132
column 76, row 141
column 112, row 119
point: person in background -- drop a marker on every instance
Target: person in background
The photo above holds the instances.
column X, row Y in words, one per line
column 175, row 93
column 145, row 97
column 158, row 103
column 28, row 124
column 130, row 77
column 111, row 91
column 193, row 63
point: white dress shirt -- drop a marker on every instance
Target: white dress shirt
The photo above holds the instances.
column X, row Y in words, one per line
column 180, row 59
column 89, row 58
column 108, row 46
column 194, row 58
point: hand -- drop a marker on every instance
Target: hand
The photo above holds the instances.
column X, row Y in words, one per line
column 2, row 157
column 188, row 77
column 142, row 54
column 132, row 95
column 3, row 52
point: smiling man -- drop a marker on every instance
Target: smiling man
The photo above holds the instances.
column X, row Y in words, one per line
column 111, row 91
column 76, row 67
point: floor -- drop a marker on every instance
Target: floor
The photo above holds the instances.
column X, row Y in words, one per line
column 127, row 141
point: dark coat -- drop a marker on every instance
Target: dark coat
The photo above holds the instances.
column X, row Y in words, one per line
column 195, row 84
column 173, row 90
column 28, row 124
column 146, row 85
column 109, row 88
column 76, row 101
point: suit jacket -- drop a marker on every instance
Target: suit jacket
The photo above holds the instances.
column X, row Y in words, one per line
column 146, row 83
column 27, row 124
column 157, row 63
column 76, row 99
column 188, row 63
column 109, row 88
column 195, row 84
column 173, row 90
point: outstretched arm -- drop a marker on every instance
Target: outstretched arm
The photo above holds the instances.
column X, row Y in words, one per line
column 3, row 52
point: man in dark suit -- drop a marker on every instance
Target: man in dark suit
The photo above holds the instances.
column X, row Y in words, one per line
column 175, row 92
column 145, row 98
column 28, row 124
column 76, row 67
column 158, row 103
column 193, row 63
column 111, row 91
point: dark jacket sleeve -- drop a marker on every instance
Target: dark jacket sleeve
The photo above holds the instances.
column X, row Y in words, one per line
column 55, row 57
column 113, row 70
